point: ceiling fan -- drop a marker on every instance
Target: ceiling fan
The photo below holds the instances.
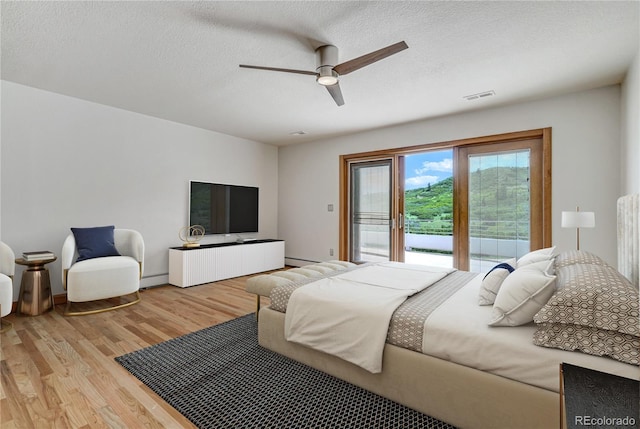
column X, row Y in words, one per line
column 328, row 72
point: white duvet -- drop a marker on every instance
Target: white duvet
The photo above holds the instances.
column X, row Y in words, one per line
column 348, row 315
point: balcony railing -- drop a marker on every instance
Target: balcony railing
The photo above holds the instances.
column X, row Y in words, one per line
column 504, row 230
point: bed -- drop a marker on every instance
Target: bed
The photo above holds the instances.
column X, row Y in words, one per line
column 490, row 376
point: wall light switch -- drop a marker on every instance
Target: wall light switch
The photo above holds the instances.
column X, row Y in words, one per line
column 330, row 207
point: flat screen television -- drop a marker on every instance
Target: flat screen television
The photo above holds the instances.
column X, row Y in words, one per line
column 223, row 209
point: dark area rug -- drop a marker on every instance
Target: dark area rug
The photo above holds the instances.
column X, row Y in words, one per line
column 219, row 377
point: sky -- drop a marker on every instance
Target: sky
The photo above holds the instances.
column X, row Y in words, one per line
column 427, row 168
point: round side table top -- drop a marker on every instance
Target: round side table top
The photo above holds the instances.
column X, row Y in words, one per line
column 35, row 263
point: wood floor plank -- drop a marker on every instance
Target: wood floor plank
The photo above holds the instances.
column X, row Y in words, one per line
column 60, row 372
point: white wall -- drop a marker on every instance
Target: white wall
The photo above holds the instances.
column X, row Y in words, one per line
column 68, row 162
column 585, row 167
column 631, row 129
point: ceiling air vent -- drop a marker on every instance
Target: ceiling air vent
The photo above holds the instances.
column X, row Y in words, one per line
column 479, row 95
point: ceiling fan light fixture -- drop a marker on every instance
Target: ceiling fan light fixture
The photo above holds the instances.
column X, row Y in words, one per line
column 326, row 76
column 327, row 80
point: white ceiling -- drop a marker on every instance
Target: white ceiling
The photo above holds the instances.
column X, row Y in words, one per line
column 179, row 60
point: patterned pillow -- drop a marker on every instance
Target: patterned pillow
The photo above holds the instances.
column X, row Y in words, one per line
column 573, row 257
column 595, row 310
column 594, row 341
column 596, row 296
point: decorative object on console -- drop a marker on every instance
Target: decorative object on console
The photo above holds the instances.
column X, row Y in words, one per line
column 577, row 220
column 7, row 270
column 191, row 235
column 104, row 277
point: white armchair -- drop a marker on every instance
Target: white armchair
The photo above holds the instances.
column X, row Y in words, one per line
column 7, row 270
column 103, row 277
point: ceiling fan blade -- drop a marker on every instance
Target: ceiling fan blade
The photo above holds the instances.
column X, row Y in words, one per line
column 335, row 92
column 370, row 58
column 312, row 73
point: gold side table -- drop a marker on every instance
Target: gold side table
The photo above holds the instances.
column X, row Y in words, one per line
column 35, row 288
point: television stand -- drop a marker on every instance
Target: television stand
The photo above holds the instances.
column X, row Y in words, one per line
column 190, row 266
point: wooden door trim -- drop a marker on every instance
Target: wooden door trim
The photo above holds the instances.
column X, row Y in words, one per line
column 497, row 138
column 343, row 212
column 398, row 210
column 345, row 184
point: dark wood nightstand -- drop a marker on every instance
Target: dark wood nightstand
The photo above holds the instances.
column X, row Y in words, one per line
column 594, row 399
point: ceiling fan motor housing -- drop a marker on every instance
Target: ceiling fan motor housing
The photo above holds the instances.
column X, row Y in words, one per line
column 327, row 58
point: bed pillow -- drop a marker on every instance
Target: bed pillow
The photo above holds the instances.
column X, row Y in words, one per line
column 493, row 280
column 572, row 257
column 595, row 296
column 522, row 294
column 593, row 341
column 539, row 255
column 95, row 242
column 595, row 310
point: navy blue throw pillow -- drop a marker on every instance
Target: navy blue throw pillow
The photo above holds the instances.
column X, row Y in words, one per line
column 503, row 266
column 95, row 242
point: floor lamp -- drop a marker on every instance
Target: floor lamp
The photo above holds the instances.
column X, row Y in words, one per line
column 577, row 220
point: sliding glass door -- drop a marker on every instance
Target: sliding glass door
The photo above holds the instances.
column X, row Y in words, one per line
column 499, row 207
column 493, row 203
column 428, row 208
column 371, row 210
column 499, row 203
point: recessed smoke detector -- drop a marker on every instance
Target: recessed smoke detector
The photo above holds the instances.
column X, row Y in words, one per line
column 297, row 133
column 479, row 95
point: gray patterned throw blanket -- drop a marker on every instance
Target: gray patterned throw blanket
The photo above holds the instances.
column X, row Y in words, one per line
column 407, row 323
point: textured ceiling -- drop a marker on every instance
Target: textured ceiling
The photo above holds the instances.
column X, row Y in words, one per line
column 179, row 60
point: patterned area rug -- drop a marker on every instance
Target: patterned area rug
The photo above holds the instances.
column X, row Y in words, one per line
column 219, row 377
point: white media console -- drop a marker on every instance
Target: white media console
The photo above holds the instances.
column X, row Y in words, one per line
column 212, row 262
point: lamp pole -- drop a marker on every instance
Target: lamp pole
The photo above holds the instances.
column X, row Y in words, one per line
column 578, row 231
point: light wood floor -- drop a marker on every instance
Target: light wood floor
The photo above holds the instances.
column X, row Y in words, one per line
column 60, row 372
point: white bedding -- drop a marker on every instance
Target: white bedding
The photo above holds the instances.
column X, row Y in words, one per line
column 348, row 315
column 457, row 331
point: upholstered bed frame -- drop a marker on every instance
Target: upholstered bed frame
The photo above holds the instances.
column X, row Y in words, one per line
column 456, row 394
column 459, row 395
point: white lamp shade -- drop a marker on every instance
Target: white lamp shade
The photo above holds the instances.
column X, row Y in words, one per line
column 578, row 219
